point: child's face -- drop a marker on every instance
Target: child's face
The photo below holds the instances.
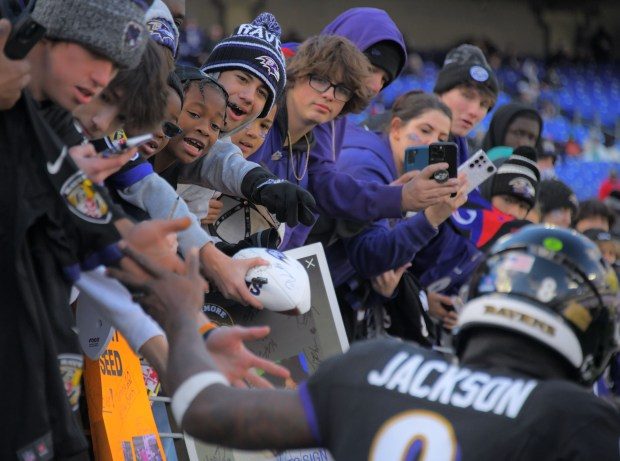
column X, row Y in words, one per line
column 173, row 110
column 253, row 136
column 592, row 222
column 508, row 204
column 560, row 217
column 101, row 116
column 201, row 120
column 247, row 96
column 468, row 105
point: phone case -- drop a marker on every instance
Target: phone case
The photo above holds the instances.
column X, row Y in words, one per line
column 478, row 168
column 416, row 158
column 447, row 152
column 25, row 34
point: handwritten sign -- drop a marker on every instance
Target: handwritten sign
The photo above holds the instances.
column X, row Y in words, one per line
column 299, row 343
column 121, row 420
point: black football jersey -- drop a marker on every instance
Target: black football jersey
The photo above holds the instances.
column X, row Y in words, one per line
column 387, row 400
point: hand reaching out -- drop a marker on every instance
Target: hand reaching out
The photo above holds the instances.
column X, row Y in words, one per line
column 153, row 239
column 164, row 293
column 96, row 167
column 227, row 348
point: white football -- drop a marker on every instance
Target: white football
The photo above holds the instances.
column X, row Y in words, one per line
column 282, row 285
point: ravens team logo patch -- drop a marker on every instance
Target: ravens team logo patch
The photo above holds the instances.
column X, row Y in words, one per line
column 84, row 200
column 71, row 367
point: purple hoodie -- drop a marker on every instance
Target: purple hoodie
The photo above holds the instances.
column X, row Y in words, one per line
column 346, row 197
column 387, row 243
column 339, row 195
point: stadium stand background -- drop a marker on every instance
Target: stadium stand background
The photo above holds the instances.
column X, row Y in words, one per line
column 541, row 51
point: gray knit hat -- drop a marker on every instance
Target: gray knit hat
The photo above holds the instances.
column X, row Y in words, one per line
column 112, row 28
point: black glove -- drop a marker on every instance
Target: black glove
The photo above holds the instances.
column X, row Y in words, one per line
column 286, row 200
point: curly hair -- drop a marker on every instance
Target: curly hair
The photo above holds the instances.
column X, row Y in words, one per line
column 333, row 57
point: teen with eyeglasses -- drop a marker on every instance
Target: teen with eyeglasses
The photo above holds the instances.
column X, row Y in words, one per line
column 340, row 196
column 326, row 79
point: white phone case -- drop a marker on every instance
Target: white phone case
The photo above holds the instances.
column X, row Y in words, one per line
column 477, row 168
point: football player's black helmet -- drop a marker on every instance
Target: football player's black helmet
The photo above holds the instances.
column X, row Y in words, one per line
column 552, row 285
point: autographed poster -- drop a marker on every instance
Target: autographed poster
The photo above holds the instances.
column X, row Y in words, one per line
column 299, row 343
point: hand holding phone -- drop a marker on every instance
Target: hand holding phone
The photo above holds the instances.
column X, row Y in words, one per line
column 14, row 75
column 443, row 152
column 123, row 144
column 478, row 168
column 25, row 31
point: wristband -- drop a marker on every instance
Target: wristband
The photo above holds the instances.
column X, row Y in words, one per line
column 189, row 390
column 206, row 329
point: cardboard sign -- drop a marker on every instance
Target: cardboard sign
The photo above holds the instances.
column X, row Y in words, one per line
column 121, row 420
column 299, row 343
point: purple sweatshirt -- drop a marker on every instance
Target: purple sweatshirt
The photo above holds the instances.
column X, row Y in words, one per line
column 387, row 243
column 338, row 195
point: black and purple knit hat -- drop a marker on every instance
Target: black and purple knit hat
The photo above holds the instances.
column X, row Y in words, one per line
column 254, row 48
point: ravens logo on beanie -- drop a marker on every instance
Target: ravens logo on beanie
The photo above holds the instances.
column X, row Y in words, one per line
column 518, row 176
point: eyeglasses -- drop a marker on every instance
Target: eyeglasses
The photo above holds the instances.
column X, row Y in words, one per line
column 320, row 84
column 171, row 130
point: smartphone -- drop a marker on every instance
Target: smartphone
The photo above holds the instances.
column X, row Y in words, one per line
column 416, row 158
column 439, row 152
column 25, row 31
column 116, row 147
column 478, row 168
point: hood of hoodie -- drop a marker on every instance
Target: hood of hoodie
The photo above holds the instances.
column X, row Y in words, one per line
column 365, row 27
column 502, row 119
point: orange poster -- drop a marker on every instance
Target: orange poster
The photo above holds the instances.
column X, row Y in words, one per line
column 121, row 420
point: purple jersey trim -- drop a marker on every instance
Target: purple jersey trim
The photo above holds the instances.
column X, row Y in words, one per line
column 306, row 401
column 128, row 178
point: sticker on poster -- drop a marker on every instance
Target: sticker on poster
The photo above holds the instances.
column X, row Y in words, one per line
column 218, row 315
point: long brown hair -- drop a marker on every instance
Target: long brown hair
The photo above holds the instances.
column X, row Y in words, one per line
column 332, row 56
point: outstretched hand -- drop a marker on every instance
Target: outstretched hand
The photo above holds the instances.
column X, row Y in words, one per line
column 96, row 167
column 163, row 293
column 152, row 238
column 227, row 348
